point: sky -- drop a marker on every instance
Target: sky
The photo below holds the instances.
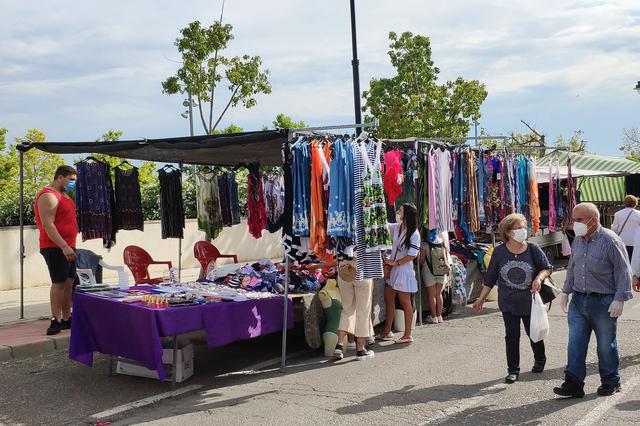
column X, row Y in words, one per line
column 75, row 69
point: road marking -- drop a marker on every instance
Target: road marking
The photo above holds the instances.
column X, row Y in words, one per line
column 143, row 402
column 601, row 409
column 467, row 404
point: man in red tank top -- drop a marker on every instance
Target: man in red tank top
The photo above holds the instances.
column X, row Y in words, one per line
column 55, row 214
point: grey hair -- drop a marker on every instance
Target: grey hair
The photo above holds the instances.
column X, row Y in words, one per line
column 590, row 208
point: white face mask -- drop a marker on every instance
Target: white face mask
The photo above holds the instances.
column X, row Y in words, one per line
column 519, row 235
column 398, row 218
column 581, row 229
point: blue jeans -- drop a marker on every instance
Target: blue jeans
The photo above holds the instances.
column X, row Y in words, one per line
column 587, row 314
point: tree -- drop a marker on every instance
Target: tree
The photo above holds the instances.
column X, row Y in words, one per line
column 631, row 143
column 575, row 143
column 283, row 121
column 204, row 66
column 412, row 103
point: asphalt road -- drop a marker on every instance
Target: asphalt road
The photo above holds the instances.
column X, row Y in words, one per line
column 452, row 374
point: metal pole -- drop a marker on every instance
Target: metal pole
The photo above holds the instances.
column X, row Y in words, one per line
column 180, row 242
column 21, row 235
column 355, row 65
column 475, row 125
column 285, row 319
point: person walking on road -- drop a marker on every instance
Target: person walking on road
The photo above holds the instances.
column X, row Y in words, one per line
column 599, row 282
column 626, row 222
column 519, row 268
column 55, row 214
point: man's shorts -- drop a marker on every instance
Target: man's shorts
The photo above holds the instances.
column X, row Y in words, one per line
column 60, row 269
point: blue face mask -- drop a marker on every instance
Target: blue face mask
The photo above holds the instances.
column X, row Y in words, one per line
column 70, row 186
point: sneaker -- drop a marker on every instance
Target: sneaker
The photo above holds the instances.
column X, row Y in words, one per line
column 338, row 354
column 386, row 337
column 351, row 346
column 370, row 341
column 364, row 354
column 569, row 390
column 65, row 324
column 440, row 320
column 431, row 320
column 54, row 328
column 608, row 390
column 538, row 366
column 511, row 378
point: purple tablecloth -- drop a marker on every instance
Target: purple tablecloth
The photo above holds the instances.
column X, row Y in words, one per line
column 133, row 331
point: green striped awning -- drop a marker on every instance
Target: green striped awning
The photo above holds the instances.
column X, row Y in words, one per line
column 596, row 188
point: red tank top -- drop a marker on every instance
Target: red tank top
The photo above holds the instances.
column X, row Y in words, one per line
column 65, row 221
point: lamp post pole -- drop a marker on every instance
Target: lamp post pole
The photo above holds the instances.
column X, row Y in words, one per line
column 355, row 64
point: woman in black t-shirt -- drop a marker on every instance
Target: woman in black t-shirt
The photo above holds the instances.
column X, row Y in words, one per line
column 518, row 268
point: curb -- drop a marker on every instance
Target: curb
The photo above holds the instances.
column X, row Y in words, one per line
column 32, row 349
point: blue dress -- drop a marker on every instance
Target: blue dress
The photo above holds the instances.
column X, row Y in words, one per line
column 301, row 188
column 341, row 222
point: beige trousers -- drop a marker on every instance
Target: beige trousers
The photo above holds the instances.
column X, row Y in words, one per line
column 356, row 307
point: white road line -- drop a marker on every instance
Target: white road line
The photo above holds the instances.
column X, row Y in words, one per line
column 467, row 404
column 143, row 402
column 601, row 409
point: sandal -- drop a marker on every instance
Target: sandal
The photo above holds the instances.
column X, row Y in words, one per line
column 386, row 337
column 405, row 341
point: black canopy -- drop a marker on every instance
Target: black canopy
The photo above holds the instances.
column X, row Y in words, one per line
column 220, row 150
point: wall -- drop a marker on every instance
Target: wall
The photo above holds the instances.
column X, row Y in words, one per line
column 234, row 240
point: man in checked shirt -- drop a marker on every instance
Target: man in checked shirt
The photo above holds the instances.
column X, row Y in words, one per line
column 599, row 280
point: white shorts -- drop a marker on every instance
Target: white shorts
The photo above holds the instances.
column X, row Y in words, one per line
column 429, row 280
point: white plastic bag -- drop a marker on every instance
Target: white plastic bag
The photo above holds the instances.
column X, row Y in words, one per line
column 565, row 246
column 539, row 328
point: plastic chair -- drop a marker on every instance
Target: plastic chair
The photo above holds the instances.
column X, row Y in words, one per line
column 205, row 253
column 138, row 261
column 90, row 266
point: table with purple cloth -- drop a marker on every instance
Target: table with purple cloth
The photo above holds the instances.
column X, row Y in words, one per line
column 134, row 331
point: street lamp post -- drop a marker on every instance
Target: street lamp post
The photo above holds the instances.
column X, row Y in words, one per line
column 355, row 65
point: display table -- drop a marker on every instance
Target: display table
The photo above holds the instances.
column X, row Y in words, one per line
column 134, row 331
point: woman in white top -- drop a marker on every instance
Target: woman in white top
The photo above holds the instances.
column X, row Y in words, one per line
column 626, row 222
column 402, row 279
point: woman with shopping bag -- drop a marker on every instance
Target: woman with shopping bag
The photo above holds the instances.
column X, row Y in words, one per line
column 518, row 268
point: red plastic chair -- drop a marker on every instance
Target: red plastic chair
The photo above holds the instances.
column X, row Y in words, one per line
column 205, row 252
column 138, row 260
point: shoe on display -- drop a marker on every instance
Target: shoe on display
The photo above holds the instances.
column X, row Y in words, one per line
column 364, row 354
column 65, row 324
column 608, row 390
column 569, row 389
column 338, row 354
column 511, row 378
column 54, row 328
column 351, row 346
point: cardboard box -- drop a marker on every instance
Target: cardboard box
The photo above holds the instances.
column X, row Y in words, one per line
column 183, row 372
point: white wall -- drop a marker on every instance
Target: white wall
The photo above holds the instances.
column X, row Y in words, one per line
column 234, row 240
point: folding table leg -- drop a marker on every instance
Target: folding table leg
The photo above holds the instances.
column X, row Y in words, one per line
column 110, row 366
column 175, row 362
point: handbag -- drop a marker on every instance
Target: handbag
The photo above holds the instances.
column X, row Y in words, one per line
column 387, row 268
column 549, row 291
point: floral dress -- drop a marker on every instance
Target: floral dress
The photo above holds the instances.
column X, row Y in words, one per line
column 376, row 236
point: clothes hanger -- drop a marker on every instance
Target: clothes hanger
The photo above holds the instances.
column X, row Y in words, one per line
column 89, row 159
column 125, row 162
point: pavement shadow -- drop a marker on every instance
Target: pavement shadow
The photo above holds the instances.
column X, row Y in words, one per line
column 629, row 406
column 529, row 414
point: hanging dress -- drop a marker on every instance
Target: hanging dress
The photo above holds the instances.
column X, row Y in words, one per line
column 301, row 171
column 93, row 201
column 534, row 198
column 128, row 211
column 443, row 189
column 208, row 205
column 571, row 193
column 256, row 212
column 376, row 236
column 171, row 205
column 293, row 246
column 393, row 175
column 225, row 203
column 319, row 242
column 552, row 207
column 274, row 201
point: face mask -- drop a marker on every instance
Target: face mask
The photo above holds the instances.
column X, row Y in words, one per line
column 520, row 235
column 398, row 218
column 581, row 229
column 70, row 186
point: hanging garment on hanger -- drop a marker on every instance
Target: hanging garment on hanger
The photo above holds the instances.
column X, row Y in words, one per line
column 225, row 202
column 128, row 211
column 171, row 205
column 432, row 187
column 256, row 212
column 472, row 187
column 274, row 201
column 208, row 205
column 515, row 175
column 233, row 197
column 423, row 190
column 481, row 194
column 341, row 220
column 571, row 193
column 444, row 218
column 410, row 167
column 558, row 202
column 377, row 235
column 319, row 242
column 507, row 176
column 93, row 201
column 534, row 200
column 368, row 263
column 393, row 175
column 552, row 206
column 489, row 192
column 293, row 246
column 301, row 188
